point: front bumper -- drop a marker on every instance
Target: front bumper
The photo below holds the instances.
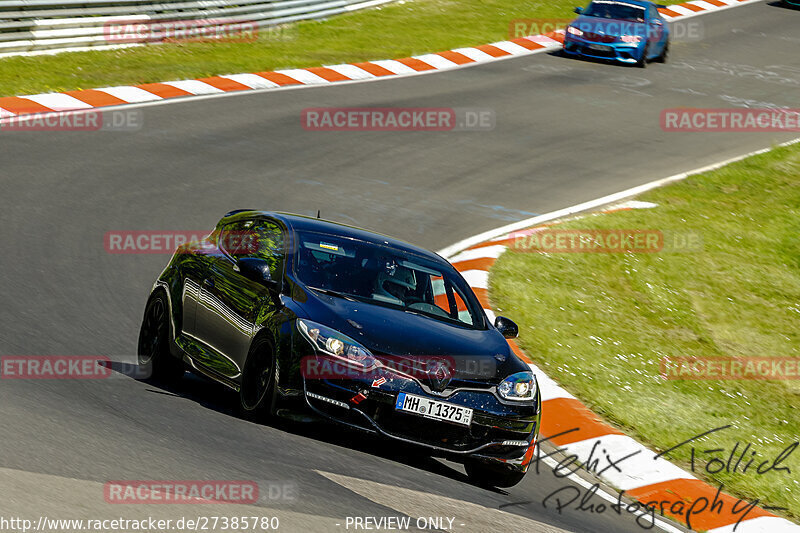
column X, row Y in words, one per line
column 499, row 432
column 617, row 51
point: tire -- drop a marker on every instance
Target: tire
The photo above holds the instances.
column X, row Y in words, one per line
column 257, row 398
column 664, row 54
column 642, row 63
column 487, row 475
column 153, row 349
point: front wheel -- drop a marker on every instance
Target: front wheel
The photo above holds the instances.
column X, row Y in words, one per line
column 642, row 63
column 153, row 351
column 257, row 391
column 664, row 53
column 488, row 475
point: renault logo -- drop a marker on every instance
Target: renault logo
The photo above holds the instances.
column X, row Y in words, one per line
column 439, row 376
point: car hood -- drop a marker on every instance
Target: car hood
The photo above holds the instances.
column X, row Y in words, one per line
column 609, row 26
column 394, row 332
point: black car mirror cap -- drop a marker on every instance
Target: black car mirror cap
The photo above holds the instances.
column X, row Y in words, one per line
column 507, row 327
column 256, row 270
column 579, row 10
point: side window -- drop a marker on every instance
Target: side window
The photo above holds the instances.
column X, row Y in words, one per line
column 262, row 239
column 450, row 300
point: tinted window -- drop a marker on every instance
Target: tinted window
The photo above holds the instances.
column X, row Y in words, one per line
column 615, row 10
column 383, row 275
column 262, row 239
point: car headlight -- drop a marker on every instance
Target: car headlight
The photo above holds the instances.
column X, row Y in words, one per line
column 574, row 31
column 630, row 39
column 331, row 342
column 519, row 387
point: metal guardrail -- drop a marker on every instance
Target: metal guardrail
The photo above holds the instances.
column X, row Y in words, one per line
column 41, row 26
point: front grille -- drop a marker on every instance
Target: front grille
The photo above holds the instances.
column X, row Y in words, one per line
column 431, row 432
column 599, row 37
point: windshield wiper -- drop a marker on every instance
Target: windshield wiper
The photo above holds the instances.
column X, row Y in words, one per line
column 331, row 292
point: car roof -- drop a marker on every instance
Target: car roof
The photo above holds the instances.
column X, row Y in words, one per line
column 640, row 3
column 306, row 223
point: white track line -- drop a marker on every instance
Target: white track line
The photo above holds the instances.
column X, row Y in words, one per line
column 591, row 204
column 641, row 469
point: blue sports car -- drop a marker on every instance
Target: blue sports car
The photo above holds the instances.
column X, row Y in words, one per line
column 627, row 31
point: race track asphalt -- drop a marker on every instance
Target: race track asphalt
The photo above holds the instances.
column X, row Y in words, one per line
column 566, row 131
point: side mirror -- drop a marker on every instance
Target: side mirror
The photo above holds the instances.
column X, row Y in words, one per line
column 579, row 10
column 256, row 270
column 507, row 327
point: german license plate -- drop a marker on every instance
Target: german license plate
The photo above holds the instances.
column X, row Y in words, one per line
column 429, row 408
column 599, row 47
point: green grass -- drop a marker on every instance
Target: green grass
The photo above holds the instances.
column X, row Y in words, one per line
column 393, row 31
column 600, row 323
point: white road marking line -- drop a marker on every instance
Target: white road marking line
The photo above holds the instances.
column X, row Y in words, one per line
column 702, row 4
column 548, row 388
column 436, row 61
column 303, row 76
column 637, row 471
column 511, row 48
column 474, row 54
column 760, row 524
column 544, row 40
column 58, row 101
column 647, row 474
column 666, row 526
column 194, row 86
column 251, row 80
column 681, row 10
column 351, row 71
column 477, row 279
column 489, row 252
column 394, row 66
column 591, row 204
column 133, row 95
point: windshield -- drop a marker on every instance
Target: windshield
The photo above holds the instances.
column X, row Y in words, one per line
column 615, row 10
column 382, row 275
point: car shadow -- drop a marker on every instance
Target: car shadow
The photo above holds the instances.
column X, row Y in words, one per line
column 215, row 396
column 560, row 53
column 783, row 5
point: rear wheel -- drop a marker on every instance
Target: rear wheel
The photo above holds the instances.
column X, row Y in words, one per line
column 153, row 350
column 488, row 475
column 257, row 391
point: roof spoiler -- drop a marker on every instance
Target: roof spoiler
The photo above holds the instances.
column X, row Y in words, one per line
column 235, row 211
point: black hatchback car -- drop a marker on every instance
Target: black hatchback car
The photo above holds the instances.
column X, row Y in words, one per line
column 361, row 328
